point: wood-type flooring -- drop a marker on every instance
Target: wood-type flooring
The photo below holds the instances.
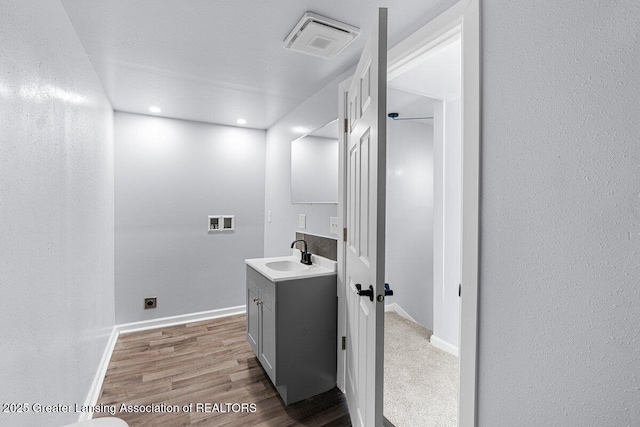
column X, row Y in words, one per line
column 203, row 374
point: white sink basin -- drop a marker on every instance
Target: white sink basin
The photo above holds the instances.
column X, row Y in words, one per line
column 286, row 266
column 278, row 269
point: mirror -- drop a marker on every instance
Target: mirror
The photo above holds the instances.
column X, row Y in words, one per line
column 314, row 166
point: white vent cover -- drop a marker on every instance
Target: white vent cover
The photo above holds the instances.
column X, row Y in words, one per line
column 320, row 36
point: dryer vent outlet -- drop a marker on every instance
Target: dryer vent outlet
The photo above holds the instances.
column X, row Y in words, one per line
column 150, row 303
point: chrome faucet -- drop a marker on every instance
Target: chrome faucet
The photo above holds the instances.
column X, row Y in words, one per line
column 306, row 256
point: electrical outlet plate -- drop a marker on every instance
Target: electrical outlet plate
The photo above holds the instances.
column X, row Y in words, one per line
column 333, row 225
column 302, row 221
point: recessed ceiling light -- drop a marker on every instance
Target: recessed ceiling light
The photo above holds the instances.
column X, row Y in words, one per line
column 241, row 121
column 155, row 109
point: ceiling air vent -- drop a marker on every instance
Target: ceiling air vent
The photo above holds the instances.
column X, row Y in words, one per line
column 320, row 36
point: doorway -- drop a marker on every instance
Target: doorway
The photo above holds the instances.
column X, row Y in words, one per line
column 461, row 20
column 423, row 215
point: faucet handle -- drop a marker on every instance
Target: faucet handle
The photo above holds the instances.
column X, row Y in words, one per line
column 306, row 258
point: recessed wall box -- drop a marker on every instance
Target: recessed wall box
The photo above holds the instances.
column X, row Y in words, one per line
column 221, row 223
column 228, row 222
column 320, row 36
column 151, row 302
column 214, row 223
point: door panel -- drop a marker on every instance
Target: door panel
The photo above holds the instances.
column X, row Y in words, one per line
column 364, row 208
column 365, row 216
column 268, row 333
column 252, row 316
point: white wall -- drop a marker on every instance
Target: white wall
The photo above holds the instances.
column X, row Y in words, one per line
column 448, row 198
column 56, row 205
column 559, row 338
column 409, row 230
column 313, row 114
column 170, row 175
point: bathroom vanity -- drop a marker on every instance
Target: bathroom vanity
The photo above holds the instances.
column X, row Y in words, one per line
column 291, row 323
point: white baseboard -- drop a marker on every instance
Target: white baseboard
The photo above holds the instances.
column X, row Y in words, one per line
column 96, row 385
column 125, row 328
column 443, row 345
column 163, row 322
column 397, row 309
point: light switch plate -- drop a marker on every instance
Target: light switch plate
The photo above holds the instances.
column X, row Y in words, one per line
column 333, row 225
column 268, row 216
column 302, row 221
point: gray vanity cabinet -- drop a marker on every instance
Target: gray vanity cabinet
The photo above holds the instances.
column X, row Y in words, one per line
column 291, row 327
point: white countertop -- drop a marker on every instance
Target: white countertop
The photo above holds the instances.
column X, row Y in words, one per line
column 320, row 267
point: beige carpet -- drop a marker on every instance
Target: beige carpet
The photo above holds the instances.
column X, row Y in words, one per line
column 420, row 380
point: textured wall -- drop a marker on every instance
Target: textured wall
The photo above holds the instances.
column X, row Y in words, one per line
column 559, row 339
column 56, row 205
column 170, row 175
column 409, row 231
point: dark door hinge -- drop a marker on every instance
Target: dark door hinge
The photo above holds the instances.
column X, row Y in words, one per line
column 344, row 343
column 459, row 289
column 344, row 234
column 346, row 125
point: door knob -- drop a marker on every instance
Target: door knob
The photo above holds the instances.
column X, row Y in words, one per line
column 387, row 290
column 366, row 292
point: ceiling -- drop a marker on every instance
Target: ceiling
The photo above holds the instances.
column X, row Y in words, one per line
column 330, row 130
column 217, row 61
column 435, row 77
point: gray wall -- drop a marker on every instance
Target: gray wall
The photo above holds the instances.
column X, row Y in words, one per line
column 314, row 169
column 313, row 114
column 170, row 175
column 56, row 205
column 559, row 339
column 409, row 230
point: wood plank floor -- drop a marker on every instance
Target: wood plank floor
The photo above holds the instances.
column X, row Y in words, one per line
column 205, row 362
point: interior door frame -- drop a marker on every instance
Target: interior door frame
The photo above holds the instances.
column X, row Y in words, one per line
column 343, row 89
column 462, row 18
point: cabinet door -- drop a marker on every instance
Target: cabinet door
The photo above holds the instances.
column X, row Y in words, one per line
column 253, row 316
column 268, row 335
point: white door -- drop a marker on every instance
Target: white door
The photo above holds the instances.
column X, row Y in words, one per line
column 366, row 133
